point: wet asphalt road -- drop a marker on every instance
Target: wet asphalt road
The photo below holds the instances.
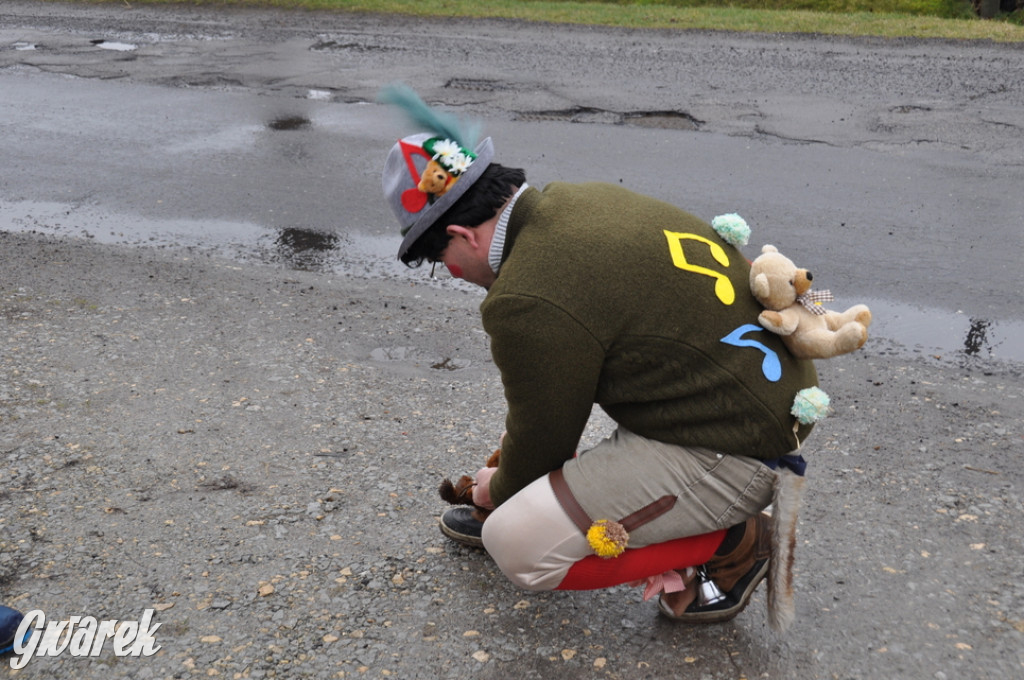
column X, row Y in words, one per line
column 891, row 168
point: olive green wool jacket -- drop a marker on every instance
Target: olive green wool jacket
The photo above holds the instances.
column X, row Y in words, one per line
column 609, row 297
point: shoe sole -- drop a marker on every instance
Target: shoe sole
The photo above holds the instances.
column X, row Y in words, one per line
column 458, row 537
column 717, row 615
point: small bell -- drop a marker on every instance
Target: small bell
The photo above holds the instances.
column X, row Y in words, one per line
column 707, row 592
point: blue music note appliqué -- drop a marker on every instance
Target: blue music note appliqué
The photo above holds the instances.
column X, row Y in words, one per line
column 771, row 366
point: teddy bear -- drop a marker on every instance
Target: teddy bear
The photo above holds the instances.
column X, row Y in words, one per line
column 794, row 312
column 435, row 180
column 461, row 492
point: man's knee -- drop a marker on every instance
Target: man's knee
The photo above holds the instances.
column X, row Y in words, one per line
column 515, row 553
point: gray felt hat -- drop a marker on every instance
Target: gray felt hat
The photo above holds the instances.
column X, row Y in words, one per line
column 418, row 197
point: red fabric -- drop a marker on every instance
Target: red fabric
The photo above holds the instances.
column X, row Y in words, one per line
column 635, row 564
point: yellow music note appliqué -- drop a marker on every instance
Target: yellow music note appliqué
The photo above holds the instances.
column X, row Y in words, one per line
column 723, row 286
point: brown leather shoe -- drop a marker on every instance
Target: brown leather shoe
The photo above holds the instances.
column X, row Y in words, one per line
column 737, row 574
column 756, row 545
column 735, row 601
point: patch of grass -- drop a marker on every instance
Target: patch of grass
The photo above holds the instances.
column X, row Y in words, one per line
column 939, row 8
column 948, row 19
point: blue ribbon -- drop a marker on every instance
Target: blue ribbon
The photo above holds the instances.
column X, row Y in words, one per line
column 795, row 463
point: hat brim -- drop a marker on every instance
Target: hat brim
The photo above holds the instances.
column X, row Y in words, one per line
column 484, row 155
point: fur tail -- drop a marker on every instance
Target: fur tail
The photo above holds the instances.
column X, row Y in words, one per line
column 459, row 493
column 785, row 512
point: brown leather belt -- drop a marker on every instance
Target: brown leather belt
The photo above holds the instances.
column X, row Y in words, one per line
column 583, row 521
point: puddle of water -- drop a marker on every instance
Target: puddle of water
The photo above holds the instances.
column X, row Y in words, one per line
column 943, row 333
column 236, row 138
column 84, row 221
column 292, row 248
column 116, row 46
column 952, row 336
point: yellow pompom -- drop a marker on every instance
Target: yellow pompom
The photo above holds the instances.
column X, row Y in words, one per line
column 607, row 539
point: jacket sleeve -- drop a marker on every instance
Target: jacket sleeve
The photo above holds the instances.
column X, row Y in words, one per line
column 550, row 366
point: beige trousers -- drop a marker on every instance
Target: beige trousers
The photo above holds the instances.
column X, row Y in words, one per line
column 534, row 542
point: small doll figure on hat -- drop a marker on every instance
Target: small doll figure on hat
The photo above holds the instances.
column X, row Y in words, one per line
column 427, row 172
column 448, row 162
column 796, row 313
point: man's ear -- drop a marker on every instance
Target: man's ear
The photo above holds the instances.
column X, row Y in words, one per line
column 467, row 233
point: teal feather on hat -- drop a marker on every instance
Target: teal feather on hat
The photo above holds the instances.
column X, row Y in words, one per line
column 436, row 122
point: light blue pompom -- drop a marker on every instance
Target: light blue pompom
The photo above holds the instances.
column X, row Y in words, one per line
column 732, row 228
column 810, row 405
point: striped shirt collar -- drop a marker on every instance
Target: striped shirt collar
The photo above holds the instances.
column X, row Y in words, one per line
column 498, row 240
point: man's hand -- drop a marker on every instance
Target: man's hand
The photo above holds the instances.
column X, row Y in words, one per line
column 482, row 490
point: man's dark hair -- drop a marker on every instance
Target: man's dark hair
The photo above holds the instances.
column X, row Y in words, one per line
column 479, row 204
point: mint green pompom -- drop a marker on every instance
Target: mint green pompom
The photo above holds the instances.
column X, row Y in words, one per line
column 810, row 405
column 732, row 228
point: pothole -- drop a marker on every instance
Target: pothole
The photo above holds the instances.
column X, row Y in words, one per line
column 305, row 249
column 575, row 114
column 213, row 80
column 289, row 123
column 909, row 108
column 335, row 46
column 477, row 84
column 671, row 120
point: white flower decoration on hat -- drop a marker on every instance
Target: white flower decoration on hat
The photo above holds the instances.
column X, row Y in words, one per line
column 459, row 163
column 447, row 149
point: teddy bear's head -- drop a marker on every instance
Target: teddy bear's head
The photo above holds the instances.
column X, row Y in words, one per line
column 435, row 179
column 775, row 281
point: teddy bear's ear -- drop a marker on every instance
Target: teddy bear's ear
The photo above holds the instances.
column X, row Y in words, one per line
column 760, row 287
column 767, row 248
